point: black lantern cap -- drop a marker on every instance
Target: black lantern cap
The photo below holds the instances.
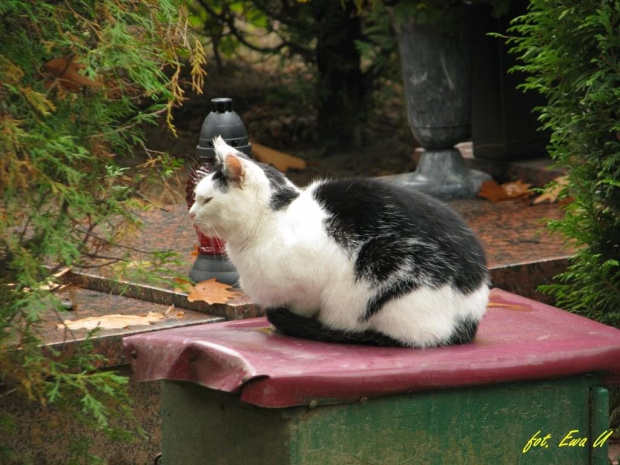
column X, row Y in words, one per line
column 222, row 121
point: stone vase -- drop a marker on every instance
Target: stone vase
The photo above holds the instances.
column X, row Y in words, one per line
column 436, row 66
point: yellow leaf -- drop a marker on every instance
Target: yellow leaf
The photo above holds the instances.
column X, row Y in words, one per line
column 114, row 321
column 517, row 189
column 553, row 191
column 280, row 160
column 212, row 292
column 508, row 306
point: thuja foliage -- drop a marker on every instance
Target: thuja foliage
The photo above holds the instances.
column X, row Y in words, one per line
column 571, row 51
column 77, row 80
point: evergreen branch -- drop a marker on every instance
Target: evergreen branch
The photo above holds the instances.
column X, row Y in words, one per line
column 112, row 261
column 55, row 144
column 139, row 119
column 115, row 244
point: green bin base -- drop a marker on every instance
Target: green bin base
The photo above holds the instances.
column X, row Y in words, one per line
column 471, row 426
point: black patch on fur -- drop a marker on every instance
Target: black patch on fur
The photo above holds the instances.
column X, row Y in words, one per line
column 390, row 228
column 282, row 198
column 464, row 331
column 295, row 325
column 220, row 181
column 378, row 257
column 395, row 290
column 342, row 233
column 283, row 193
column 276, row 179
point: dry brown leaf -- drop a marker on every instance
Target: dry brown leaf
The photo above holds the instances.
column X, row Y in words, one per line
column 114, row 321
column 280, row 160
column 212, row 292
column 67, row 71
column 495, row 192
column 492, row 191
column 553, row 191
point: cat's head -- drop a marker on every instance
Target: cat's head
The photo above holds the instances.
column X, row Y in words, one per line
column 238, row 193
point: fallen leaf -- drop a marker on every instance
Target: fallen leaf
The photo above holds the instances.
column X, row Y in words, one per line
column 51, row 284
column 267, row 330
column 552, row 191
column 280, row 160
column 62, row 272
column 67, row 71
column 495, row 192
column 517, row 189
column 492, row 191
column 114, row 321
column 509, row 306
column 169, row 310
column 212, row 292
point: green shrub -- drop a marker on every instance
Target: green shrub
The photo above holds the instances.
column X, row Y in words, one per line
column 77, row 79
column 571, row 51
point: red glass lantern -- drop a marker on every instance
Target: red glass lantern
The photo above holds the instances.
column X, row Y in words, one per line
column 221, row 121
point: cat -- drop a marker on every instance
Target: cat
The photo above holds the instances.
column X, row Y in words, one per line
column 355, row 261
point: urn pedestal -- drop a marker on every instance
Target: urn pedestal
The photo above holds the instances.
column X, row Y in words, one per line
column 436, row 61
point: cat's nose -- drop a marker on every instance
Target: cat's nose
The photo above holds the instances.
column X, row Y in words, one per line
column 192, row 215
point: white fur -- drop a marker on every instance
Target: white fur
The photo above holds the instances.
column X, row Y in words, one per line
column 286, row 258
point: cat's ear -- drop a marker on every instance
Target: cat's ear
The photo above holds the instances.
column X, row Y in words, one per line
column 221, row 149
column 234, row 169
column 231, row 165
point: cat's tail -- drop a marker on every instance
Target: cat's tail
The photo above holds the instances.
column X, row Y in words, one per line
column 295, row 325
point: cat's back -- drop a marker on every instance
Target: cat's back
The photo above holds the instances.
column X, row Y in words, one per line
column 388, row 227
column 368, row 207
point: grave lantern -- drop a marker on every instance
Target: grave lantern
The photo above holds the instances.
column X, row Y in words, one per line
column 211, row 261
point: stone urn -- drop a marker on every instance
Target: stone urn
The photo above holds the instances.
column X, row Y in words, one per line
column 436, row 62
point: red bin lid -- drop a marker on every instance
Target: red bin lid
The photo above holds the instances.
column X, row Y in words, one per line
column 518, row 340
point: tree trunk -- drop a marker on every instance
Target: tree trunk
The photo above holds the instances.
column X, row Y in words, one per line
column 341, row 90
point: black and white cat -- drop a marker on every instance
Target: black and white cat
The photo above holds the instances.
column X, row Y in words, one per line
column 359, row 261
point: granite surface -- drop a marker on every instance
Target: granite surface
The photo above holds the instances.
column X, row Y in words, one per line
column 89, row 303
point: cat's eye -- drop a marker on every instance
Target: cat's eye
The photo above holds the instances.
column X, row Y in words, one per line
column 205, row 200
